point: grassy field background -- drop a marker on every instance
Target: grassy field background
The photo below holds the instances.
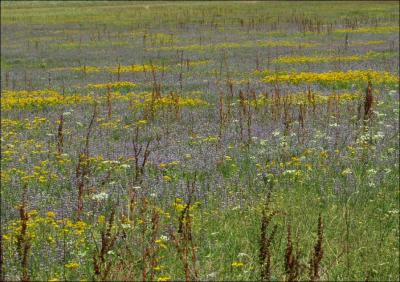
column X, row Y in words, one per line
column 199, row 141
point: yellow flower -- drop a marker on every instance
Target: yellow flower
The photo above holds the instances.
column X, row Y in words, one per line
column 101, row 219
column 141, row 122
column 33, row 213
column 72, row 265
column 53, row 279
column 161, row 243
column 51, row 214
column 237, row 264
column 164, row 278
column 51, row 240
column 167, row 178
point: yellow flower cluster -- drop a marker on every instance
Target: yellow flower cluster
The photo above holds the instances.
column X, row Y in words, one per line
column 325, row 59
column 72, row 265
column 367, row 43
column 133, row 68
column 45, row 98
column 229, row 45
column 333, row 77
column 237, row 264
column 379, row 29
column 112, row 85
column 179, row 205
column 315, row 59
column 85, row 69
column 302, row 98
column 38, row 99
column 117, row 69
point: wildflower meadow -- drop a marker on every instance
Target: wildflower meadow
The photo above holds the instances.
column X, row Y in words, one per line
column 199, row 141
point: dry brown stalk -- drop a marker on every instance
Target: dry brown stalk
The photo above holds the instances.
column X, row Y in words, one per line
column 316, row 256
column 137, row 151
column 119, row 72
column 100, row 265
column 60, row 135
column 109, row 102
column 23, row 240
column 183, row 239
column 292, row 263
column 150, row 252
column 265, row 241
column 2, row 274
column 82, row 168
column 369, row 99
column 221, row 114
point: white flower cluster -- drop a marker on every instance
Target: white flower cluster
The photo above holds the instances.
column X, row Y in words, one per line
column 100, row 197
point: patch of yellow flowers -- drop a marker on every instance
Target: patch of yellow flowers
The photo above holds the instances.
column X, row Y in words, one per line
column 302, row 98
column 117, row 69
column 324, row 59
column 376, row 77
column 38, row 98
column 22, row 99
column 112, row 85
column 378, row 29
column 229, row 45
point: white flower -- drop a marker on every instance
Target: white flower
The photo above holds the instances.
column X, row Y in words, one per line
column 240, row 255
column 347, row 171
column 276, row 133
column 164, row 238
column 263, row 142
column 125, row 226
column 371, row 171
column 289, row 171
column 67, row 114
column 125, row 166
column 100, row 197
column 334, row 125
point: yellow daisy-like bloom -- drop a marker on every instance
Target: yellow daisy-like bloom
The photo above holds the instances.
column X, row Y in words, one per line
column 167, row 178
column 51, row 214
column 237, row 264
column 164, row 278
column 72, row 265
